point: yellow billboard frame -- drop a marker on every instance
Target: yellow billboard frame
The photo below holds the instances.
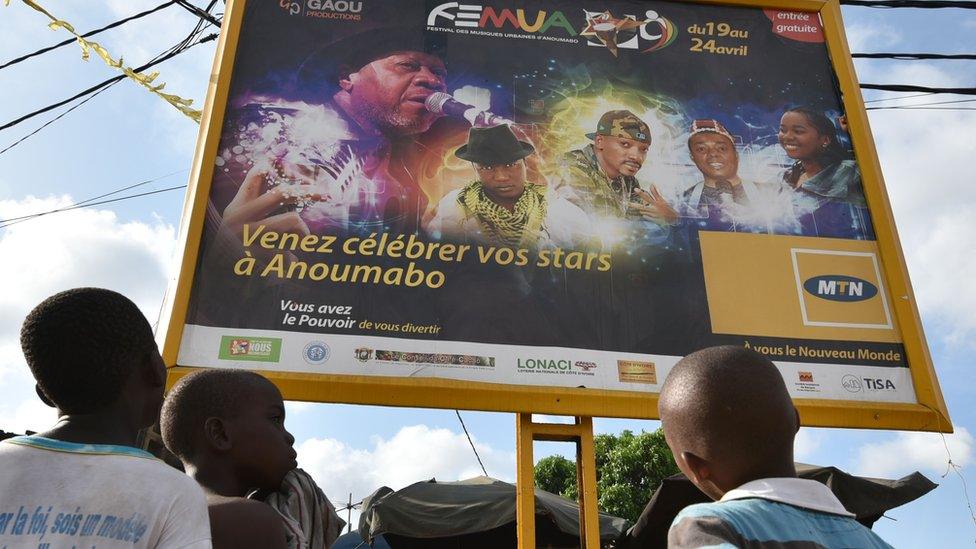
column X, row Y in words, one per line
column 929, row 414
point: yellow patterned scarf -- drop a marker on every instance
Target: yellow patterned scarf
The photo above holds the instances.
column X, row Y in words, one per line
column 518, row 228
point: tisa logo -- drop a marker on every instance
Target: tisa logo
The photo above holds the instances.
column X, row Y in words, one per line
column 879, row 384
column 259, row 349
column 486, row 17
column 840, row 288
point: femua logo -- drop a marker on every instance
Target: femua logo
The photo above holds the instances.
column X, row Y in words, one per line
column 477, row 16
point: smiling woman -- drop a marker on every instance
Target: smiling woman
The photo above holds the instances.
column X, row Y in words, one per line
column 824, row 175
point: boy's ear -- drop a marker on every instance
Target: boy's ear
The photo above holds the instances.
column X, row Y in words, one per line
column 153, row 369
column 796, row 414
column 43, row 397
column 699, row 467
column 216, row 434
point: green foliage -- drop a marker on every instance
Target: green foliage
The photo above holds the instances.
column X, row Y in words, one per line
column 629, row 468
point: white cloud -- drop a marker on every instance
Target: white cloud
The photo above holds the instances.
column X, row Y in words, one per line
column 415, row 453
column 806, row 444
column 31, row 415
column 922, row 154
column 85, row 247
column 907, row 452
column 871, row 37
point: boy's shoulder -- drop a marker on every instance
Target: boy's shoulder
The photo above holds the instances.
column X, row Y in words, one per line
column 743, row 521
column 242, row 522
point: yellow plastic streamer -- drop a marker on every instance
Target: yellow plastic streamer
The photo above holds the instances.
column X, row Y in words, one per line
column 146, row 80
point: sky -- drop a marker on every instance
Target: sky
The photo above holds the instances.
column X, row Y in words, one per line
column 127, row 135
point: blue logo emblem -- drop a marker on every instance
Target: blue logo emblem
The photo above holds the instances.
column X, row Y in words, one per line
column 840, row 288
column 316, row 352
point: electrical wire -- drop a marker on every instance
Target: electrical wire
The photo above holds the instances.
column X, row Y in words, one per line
column 13, row 221
column 87, row 34
column 101, row 85
column 898, row 98
column 473, row 449
column 928, row 4
column 56, row 118
column 911, row 88
column 199, row 12
column 913, row 56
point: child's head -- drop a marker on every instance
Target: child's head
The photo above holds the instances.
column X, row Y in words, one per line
column 233, row 419
column 728, row 418
column 91, row 350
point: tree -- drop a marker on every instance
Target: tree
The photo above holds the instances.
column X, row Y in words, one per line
column 629, row 468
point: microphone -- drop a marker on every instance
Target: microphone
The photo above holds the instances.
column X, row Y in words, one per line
column 444, row 103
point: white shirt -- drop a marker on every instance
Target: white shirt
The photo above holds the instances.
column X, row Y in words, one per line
column 800, row 492
column 61, row 494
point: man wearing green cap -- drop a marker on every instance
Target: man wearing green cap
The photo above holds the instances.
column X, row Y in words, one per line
column 600, row 178
column 501, row 208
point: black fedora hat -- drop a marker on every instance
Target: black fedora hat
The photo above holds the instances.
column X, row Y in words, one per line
column 493, row 146
column 330, row 62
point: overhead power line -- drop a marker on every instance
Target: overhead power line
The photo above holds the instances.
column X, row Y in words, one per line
column 13, row 221
column 108, row 82
column 911, row 88
column 925, row 4
column 913, row 56
column 199, row 12
column 89, row 33
column 473, row 449
column 184, row 44
column 899, row 98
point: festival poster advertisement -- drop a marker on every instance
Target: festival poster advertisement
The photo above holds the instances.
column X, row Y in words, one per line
column 540, row 193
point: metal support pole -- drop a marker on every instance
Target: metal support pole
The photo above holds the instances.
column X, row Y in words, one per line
column 586, row 468
column 525, row 483
column 580, row 433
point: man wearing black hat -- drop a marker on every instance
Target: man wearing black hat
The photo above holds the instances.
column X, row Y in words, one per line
column 501, row 208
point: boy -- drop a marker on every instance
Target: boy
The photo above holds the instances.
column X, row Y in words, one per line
column 83, row 483
column 227, row 427
column 730, row 423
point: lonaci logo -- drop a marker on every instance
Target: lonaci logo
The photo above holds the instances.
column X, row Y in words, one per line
column 840, row 288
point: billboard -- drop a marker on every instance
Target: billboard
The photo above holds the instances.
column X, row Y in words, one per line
column 541, row 206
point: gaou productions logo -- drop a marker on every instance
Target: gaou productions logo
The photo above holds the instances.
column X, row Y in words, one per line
column 851, row 384
column 840, row 288
column 316, row 352
column 349, row 10
column 651, row 33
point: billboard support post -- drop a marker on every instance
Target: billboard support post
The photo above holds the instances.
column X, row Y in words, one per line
column 580, row 433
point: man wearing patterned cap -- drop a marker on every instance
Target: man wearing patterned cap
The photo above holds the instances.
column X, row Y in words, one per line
column 599, row 178
column 721, row 199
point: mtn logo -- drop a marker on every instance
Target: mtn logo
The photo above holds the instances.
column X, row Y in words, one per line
column 840, row 288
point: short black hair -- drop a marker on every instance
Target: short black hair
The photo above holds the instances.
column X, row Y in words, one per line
column 83, row 344
column 729, row 401
column 201, row 395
